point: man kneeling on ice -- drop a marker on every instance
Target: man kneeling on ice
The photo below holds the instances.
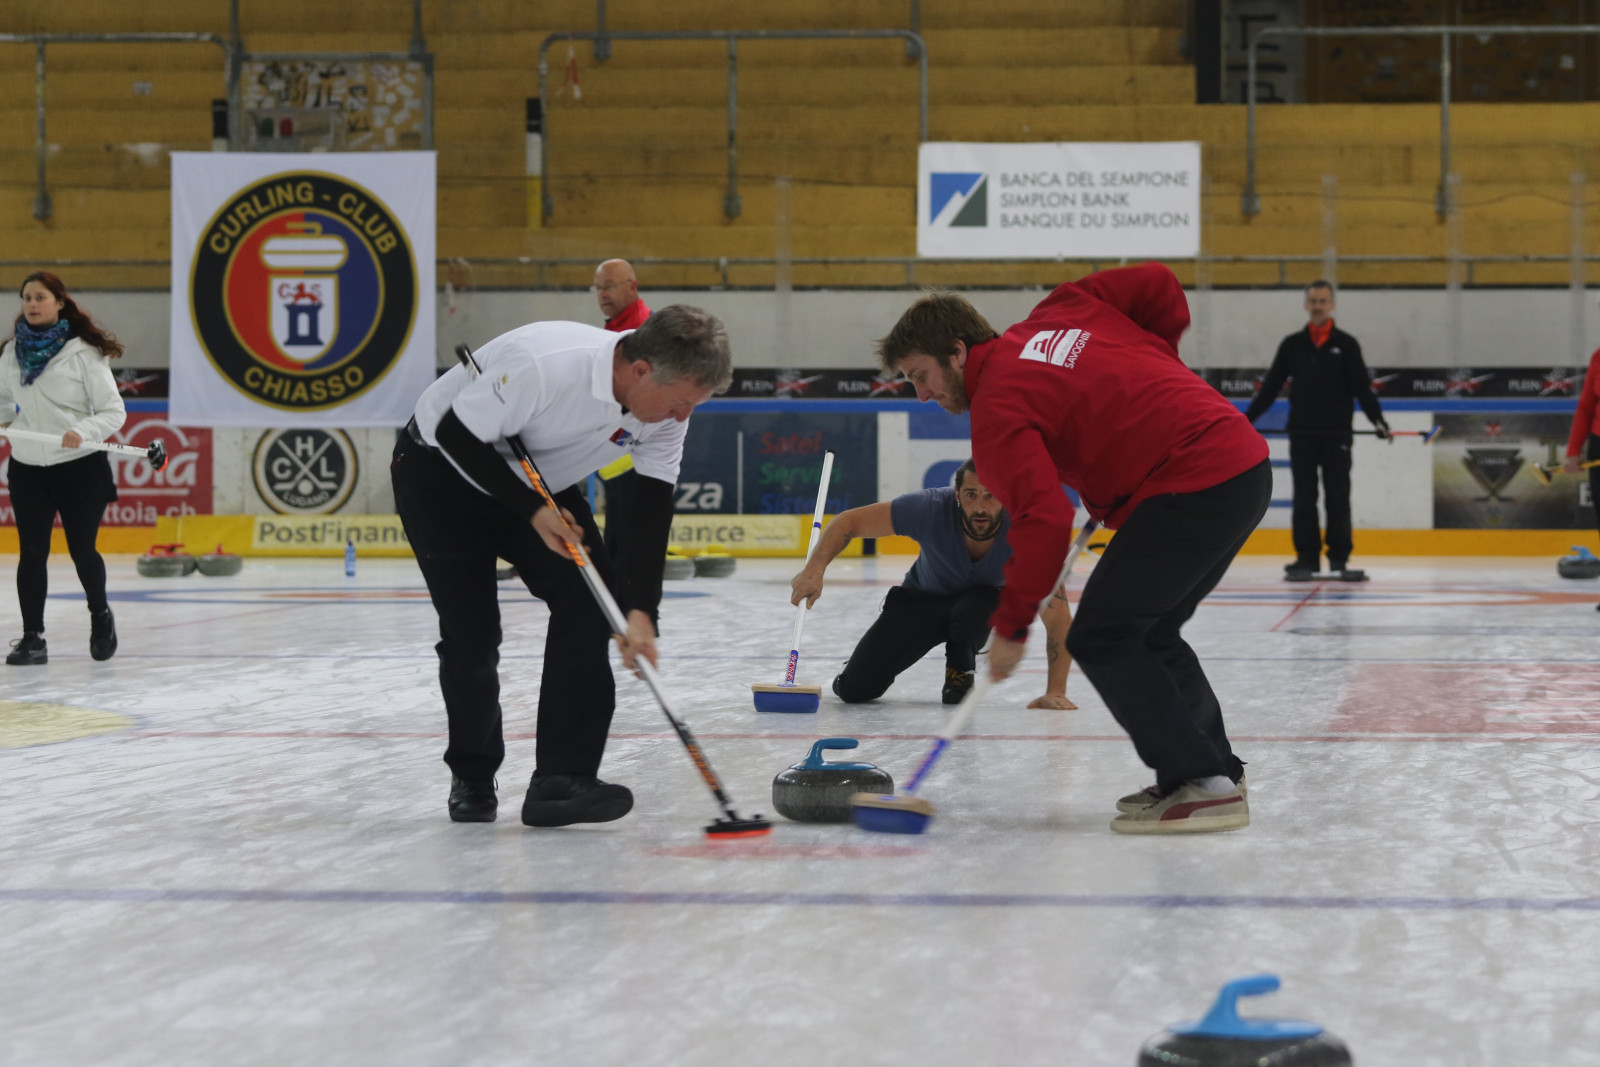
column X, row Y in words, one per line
column 946, row 597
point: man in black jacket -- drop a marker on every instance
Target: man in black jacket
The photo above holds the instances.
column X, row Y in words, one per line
column 1324, row 367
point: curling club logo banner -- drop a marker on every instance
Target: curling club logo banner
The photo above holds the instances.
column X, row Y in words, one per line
column 309, row 289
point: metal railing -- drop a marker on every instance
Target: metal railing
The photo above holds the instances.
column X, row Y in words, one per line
column 602, row 39
column 906, row 266
column 41, row 201
column 909, row 264
column 1250, row 202
column 731, row 206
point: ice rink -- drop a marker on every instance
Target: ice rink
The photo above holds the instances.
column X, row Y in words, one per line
column 228, row 845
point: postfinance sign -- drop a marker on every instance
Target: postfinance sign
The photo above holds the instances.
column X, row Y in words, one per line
column 1047, row 201
column 308, row 288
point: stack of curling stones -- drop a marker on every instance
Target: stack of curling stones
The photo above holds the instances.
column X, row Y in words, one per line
column 1223, row 1039
column 678, row 565
column 168, row 561
column 1581, row 565
column 220, row 564
column 818, row 791
column 714, row 562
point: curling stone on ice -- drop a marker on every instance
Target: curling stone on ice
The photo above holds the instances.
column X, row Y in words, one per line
column 714, row 562
column 818, row 791
column 678, row 565
column 220, row 564
column 165, row 561
column 1223, row 1039
column 1582, row 565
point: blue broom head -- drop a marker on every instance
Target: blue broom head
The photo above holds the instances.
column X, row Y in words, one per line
column 890, row 814
column 792, row 699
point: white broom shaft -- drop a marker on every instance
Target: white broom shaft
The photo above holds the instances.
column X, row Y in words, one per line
column 811, row 546
column 980, row 682
column 93, row 446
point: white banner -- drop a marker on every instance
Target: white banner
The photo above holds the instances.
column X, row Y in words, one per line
column 302, row 288
column 1074, row 200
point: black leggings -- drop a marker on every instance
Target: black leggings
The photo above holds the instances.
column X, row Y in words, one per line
column 79, row 490
column 912, row 623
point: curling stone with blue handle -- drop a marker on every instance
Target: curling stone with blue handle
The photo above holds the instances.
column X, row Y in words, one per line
column 818, row 791
column 1223, row 1039
column 1582, row 565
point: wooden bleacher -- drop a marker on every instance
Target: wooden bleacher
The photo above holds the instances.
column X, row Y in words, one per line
column 637, row 166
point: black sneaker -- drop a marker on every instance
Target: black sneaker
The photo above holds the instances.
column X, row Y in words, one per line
column 1300, row 571
column 472, row 801
column 956, row 685
column 563, row 799
column 102, row 634
column 28, row 650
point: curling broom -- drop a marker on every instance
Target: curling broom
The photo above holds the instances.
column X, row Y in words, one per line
column 908, row 813
column 787, row 696
column 731, row 825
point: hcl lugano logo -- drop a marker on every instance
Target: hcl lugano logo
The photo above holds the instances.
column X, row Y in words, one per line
column 304, row 291
column 958, row 199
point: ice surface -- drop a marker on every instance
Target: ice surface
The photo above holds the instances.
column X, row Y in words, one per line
column 257, row 867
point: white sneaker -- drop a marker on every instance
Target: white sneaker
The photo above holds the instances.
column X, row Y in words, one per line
column 1188, row 810
column 1150, row 795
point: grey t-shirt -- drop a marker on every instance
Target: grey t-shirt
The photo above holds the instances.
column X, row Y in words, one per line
column 932, row 519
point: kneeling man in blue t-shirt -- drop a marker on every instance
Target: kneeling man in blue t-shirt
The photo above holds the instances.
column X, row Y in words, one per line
column 947, row 596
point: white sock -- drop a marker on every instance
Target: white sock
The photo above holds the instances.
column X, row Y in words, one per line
column 1217, row 783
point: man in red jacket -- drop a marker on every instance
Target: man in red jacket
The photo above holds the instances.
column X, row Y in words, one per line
column 617, row 289
column 1089, row 391
column 1584, row 440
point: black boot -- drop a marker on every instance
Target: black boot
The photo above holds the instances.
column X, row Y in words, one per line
column 472, row 801
column 28, row 650
column 562, row 799
column 1301, row 571
column 102, row 634
column 956, row 685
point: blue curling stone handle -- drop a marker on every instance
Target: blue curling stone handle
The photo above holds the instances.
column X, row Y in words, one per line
column 814, row 761
column 1223, row 1019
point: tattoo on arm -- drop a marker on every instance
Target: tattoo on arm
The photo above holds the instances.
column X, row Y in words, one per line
column 1051, row 653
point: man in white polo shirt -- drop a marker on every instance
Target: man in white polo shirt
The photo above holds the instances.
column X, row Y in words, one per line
column 578, row 397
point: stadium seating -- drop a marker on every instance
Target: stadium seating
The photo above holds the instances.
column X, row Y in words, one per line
column 637, row 165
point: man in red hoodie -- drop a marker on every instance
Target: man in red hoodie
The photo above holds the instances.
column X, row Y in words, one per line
column 1089, row 391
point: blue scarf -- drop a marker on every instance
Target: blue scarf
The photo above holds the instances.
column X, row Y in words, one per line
column 35, row 348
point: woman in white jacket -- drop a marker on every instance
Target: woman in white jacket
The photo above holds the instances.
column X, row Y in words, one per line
column 55, row 378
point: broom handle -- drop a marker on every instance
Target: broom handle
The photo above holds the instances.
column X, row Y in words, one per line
column 88, row 446
column 980, row 680
column 811, row 546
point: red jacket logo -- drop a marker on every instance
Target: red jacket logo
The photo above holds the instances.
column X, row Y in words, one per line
column 1056, row 347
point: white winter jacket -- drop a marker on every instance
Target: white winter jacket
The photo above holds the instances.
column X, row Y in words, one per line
column 75, row 391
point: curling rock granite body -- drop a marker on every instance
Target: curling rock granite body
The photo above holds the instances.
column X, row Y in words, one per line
column 815, row 790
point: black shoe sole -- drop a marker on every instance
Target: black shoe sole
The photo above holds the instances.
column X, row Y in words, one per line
column 473, row 816
column 103, row 654
column 547, row 813
column 29, row 660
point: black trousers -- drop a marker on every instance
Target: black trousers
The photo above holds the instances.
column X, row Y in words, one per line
column 619, row 495
column 1171, row 552
column 458, row 533
column 78, row 491
column 1310, row 454
column 912, row 622
column 1592, row 451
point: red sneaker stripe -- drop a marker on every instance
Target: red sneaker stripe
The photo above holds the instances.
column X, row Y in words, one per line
column 1183, row 811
